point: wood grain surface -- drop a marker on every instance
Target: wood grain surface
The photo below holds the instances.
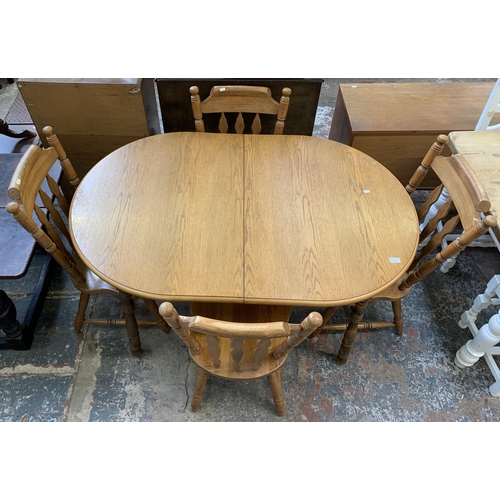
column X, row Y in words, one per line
column 283, row 220
column 481, row 149
column 320, row 225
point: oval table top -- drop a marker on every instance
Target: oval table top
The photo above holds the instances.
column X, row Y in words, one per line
column 285, row 220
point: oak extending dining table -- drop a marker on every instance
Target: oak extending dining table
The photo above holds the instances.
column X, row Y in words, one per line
column 244, row 227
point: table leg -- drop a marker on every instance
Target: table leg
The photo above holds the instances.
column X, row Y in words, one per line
column 131, row 322
column 15, row 333
column 351, row 332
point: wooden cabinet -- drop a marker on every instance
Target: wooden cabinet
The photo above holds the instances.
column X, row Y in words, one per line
column 92, row 117
column 396, row 123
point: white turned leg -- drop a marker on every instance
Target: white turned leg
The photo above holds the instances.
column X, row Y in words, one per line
column 495, row 389
column 448, row 264
column 481, row 302
column 443, row 198
column 486, row 337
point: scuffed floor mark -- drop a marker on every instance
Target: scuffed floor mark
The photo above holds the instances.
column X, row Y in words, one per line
column 81, row 396
column 134, row 409
column 323, row 121
column 463, row 411
column 186, row 383
column 317, row 407
column 36, row 370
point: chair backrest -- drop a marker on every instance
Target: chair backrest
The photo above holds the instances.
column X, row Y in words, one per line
column 492, row 107
column 240, row 99
column 460, row 188
column 33, row 207
column 238, row 350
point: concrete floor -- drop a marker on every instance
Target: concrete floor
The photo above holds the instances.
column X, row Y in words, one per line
column 92, row 377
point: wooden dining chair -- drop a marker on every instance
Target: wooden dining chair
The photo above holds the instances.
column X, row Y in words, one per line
column 240, row 99
column 48, row 226
column 238, row 351
column 466, row 200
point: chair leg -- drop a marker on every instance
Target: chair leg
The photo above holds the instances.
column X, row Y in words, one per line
column 201, row 379
column 80, row 314
column 398, row 316
column 274, row 380
column 351, row 332
column 131, row 323
column 327, row 314
column 153, row 309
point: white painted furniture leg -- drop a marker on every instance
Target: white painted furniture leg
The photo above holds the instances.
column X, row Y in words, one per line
column 484, row 241
column 443, row 198
column 481, row 302
column 484, row 341
column 492, row 107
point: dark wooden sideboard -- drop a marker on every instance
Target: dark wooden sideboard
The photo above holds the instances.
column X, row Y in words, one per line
column 177, row 114
column 396, row 123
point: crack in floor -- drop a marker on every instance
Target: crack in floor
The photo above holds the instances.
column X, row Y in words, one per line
column 188, row 364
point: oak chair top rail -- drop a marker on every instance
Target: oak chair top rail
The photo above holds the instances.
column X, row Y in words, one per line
column 465, row 189
column 238, row 351
column 465, row 192
column 481, row 151
column 461, row 188
column 254, row 219
column 27, row 188
column 240, row 99
column 231, row 350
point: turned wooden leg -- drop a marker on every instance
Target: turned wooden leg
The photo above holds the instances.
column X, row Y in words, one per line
column 398, row 316
column 153, row 309
column 274, row 380
column 351, row 331
column 201, row 380
column 12, row 328
column 80, row 314
column 327, row 314
column 131, row 322
column 487, row 337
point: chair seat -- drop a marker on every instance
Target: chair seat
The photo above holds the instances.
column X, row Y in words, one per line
column 226, row 368
column 93, row 284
